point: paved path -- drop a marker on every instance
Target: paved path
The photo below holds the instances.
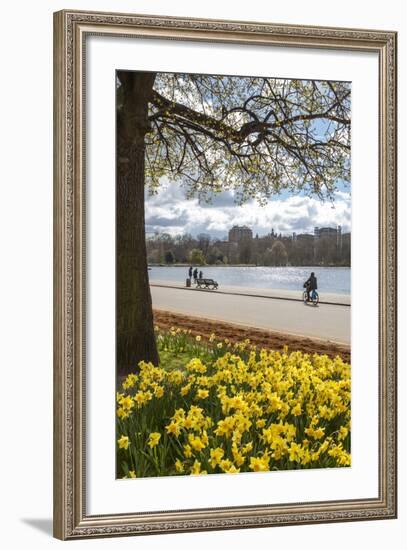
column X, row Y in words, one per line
column 326, row 322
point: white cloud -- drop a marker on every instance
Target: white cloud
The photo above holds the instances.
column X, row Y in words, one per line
column 170, row 212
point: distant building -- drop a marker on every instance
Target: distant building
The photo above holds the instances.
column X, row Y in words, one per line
column 240, row 233
column 327, row 231
column 333, row 232
column 305, row 237
column 203, row 237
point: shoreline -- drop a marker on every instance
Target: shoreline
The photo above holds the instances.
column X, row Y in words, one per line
column 328, row 298
column 310, row 266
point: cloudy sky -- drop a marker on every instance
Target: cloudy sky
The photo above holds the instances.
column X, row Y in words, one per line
column 171, row 212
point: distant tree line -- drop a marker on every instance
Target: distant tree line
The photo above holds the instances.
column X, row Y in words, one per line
column 269, row 250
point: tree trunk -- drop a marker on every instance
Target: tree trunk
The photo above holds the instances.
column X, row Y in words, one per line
column 135, row 339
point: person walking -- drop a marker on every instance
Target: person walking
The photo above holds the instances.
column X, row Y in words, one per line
column 190, row 271
column 200, row 275
column 195, row 274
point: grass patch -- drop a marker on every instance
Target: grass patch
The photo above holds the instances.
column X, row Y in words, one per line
column 171, row 360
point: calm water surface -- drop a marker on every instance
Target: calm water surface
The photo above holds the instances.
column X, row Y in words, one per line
column 330, row 279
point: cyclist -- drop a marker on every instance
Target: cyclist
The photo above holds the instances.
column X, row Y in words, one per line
column 311, row 286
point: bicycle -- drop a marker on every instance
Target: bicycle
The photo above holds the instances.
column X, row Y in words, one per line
column 313, row 297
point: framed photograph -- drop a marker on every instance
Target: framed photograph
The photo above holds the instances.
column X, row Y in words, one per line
column 225, row 274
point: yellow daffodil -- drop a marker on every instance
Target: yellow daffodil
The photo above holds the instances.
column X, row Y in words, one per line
column 153, row 439
column 173, row 428
column 202, row 394
column 259, row 464
column 343, row 432
column 126, row 402
column 196, row 443
column 196, row 469
column 185, row 389
column 123, row 442
column 159, row 391
column 121, row 413
column 187, row 451
column 216, row 456
column 179, row 466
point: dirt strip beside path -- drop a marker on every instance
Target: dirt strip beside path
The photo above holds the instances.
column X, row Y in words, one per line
column 237, row 333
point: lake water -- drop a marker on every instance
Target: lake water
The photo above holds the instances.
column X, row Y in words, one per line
column 330, row 279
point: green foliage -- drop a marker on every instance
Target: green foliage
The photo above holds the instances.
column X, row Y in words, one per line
column 278, row 254
column 214, row 256
column 196, row 257
column 257, row 136
column 169, row 257
column 269, row 250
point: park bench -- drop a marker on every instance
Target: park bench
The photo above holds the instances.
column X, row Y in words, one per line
column 206, row 283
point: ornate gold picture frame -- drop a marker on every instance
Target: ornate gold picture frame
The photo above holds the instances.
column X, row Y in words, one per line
column 71, row 517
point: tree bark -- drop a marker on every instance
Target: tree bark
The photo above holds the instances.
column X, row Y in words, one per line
column 135, row 339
